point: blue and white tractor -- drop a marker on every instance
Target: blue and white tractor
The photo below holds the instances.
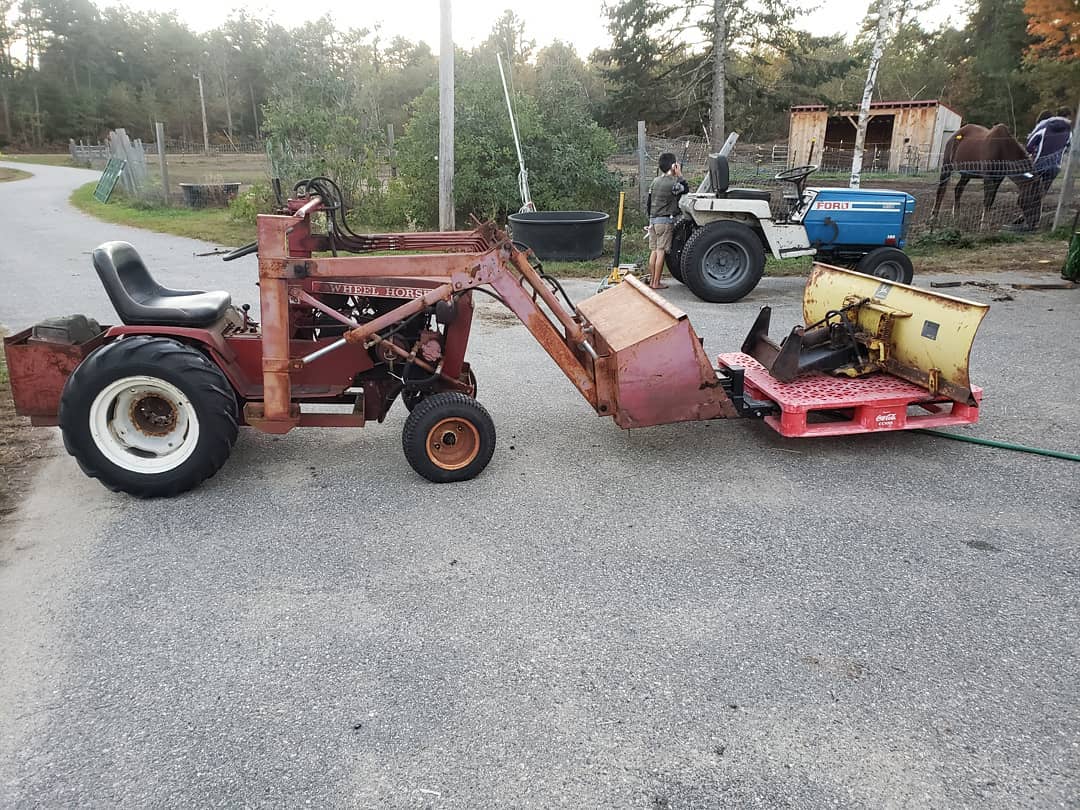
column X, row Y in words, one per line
column 723, row 234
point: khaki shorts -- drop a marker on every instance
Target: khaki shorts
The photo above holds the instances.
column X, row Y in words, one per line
column 660, row 236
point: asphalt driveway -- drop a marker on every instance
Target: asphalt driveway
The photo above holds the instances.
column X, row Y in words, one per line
column 692, row 616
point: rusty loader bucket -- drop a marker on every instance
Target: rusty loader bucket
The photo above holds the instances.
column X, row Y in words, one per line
column 651, row 367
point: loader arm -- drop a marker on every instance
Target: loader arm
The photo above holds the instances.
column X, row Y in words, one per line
column 630, row 353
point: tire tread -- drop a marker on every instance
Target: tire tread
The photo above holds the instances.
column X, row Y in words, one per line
column 218, row 425
column 439, row 406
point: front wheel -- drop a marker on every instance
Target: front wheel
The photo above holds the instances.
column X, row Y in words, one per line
column 889, row 263
column 148, row 416
column 448, row 437
column 722, row 262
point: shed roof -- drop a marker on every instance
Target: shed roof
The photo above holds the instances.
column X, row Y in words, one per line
column 876, row 106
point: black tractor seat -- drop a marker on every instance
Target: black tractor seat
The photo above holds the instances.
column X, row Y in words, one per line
column 140, row 300
column 719, row 175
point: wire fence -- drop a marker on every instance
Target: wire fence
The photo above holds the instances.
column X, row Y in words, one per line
column 1022, row 198
column 178, row 146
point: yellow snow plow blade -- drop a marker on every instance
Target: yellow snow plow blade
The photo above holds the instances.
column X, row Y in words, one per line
column 914, row 334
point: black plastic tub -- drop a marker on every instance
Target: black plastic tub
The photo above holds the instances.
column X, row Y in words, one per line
column 565, row 236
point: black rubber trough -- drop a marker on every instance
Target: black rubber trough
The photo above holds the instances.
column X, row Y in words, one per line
column 565, row 236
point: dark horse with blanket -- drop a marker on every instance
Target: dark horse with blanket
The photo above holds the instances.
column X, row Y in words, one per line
column 992, row 154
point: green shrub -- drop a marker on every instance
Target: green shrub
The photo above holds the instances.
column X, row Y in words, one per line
column 259, row 199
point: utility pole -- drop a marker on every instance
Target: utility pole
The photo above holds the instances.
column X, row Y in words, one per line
column 159, row 136
column 884, row 19
column 202, row 102
column 643, row 181
column 1072, row 159
column 446, row 119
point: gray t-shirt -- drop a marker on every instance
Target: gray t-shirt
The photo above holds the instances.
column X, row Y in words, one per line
column 664, row 192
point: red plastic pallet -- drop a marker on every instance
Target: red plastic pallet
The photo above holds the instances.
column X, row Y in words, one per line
column 843, row 405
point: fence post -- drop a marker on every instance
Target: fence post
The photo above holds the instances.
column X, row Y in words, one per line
column 641, row 144
column 159, row 136
column 390, row 149
column 1065, row 196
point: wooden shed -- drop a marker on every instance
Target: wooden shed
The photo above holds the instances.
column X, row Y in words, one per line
column 902, row 136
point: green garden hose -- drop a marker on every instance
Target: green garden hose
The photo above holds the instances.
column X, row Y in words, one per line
column 1021, row 448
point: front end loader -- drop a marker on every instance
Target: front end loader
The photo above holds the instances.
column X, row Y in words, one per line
column 349, row 324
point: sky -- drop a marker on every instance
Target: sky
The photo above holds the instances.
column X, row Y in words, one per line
column 579, row 22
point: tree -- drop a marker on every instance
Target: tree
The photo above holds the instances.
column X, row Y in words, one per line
column 7, row 66
column 1052, row 61
column 563, row 146
column 1054, row 26
column 639, row 86
column 676, row 55
column 997, row 90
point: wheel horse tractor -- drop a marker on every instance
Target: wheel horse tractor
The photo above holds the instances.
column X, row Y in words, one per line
column 721, row 238
column 152, row 406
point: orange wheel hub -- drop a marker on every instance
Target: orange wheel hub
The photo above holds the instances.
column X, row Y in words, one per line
column 453, row 443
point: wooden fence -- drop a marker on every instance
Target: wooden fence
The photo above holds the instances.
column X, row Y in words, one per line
column 134, row 178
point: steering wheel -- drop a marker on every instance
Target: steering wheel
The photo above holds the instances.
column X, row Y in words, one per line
column 796, row 175
column 240, row 251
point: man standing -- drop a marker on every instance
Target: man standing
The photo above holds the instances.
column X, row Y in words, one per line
column 1047, row 145
column 663, row 207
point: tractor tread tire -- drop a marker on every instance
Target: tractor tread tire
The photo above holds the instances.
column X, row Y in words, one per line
column 428, row 413
column 684, row 229
column 184, row 367
column 698, row 245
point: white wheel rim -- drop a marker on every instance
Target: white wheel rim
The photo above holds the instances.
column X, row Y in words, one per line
column 144, row 425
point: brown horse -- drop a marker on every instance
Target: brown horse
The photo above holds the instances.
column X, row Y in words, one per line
column 992, row 154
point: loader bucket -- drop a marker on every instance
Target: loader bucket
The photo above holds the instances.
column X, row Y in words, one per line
column 931, row 334
column 651, row 368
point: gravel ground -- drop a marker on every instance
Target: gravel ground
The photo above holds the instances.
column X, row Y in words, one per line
column 691, row 616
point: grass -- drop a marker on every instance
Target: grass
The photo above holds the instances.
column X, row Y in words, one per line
column 208, row 224
column 7, row 175
column 947, row 249
column 245, row 169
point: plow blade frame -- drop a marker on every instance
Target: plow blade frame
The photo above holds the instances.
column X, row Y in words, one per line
column 930, row 335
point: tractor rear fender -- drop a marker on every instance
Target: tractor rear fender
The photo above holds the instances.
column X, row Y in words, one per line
column 711, row 209
column 780, row 241
column 785, row 241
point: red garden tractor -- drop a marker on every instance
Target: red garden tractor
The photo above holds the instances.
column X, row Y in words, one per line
column 152, row 406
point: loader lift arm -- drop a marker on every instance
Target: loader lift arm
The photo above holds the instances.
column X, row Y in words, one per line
column 631, row 354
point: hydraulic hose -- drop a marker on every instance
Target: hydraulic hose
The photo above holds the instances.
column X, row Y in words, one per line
column 1020, row 448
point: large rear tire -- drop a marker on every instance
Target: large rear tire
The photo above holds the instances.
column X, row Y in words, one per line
column 722, row 262
column 673, row 258
column 888, row 263
column 448, row 437
column 148, row 416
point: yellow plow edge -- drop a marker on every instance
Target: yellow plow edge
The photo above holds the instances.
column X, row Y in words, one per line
column 928, row 335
